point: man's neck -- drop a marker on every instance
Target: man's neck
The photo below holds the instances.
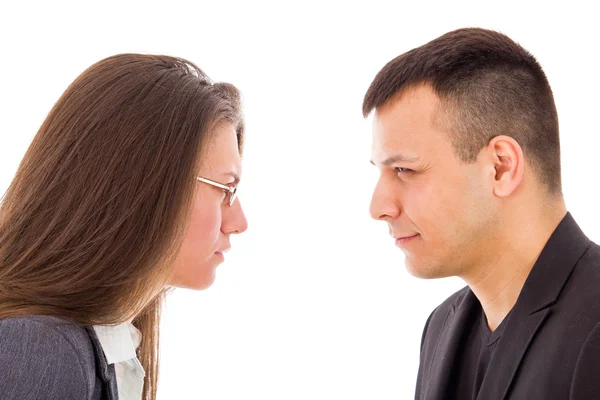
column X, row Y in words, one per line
column 498, row 283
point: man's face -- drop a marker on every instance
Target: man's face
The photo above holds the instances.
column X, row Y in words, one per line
column 440, row 211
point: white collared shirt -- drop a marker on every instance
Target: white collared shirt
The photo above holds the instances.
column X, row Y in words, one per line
column 119, row 343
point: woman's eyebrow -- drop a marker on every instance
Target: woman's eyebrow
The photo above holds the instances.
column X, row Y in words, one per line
column 236, row 177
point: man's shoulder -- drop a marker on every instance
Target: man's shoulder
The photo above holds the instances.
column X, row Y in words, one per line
column 450, row 303
column 584, row 279
column 581, row 292
column 438, row 316
column 591, row 258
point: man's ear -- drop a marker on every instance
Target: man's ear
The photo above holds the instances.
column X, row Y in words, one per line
column 509, row 163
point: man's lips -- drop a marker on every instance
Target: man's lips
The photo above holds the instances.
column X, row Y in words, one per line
column 403, row 239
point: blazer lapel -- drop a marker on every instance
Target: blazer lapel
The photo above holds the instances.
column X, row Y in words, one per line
column 512, row 346
column 105, row 371
column 445, row 354
column 540, row 291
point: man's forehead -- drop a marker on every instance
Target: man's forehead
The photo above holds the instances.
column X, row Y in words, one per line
column 418, row 99
column 393, row 138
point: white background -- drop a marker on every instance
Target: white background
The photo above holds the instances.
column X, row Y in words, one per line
column 313, row 301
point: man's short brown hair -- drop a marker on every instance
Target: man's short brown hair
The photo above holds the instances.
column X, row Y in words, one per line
column 489, row 86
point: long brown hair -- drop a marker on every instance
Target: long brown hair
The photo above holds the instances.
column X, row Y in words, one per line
column 91, row 223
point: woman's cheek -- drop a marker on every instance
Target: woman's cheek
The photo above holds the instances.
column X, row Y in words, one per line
column 195, row 264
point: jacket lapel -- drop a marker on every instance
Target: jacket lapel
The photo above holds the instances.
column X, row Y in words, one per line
column 446, row 350
column 105, row 371
column 508, row 355
column 540, row 291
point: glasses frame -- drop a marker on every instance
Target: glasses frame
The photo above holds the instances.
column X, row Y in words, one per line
column 230, row 191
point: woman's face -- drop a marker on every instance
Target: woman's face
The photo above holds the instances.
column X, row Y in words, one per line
column 212, row 220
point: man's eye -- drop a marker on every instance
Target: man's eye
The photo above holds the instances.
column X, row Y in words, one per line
column 403, row 170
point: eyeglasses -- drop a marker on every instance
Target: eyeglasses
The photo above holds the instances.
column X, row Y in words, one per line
column 230, row 191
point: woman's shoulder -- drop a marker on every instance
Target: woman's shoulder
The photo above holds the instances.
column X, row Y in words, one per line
column 54, row 333
column 42, row 323
column 45, row 354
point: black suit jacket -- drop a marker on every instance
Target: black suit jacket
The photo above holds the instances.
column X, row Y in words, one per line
column 550, row 348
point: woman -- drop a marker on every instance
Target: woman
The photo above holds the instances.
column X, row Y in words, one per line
column 128, row 189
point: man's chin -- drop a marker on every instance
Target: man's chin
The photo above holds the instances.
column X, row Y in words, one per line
column 424, row 271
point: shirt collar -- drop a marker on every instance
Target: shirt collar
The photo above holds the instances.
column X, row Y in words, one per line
column 119, row 342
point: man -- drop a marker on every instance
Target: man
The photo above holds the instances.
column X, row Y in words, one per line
column 465, row 135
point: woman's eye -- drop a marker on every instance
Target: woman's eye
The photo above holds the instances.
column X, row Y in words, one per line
column 404, row 170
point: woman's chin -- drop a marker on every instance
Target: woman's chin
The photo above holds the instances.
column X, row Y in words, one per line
column 194, row 281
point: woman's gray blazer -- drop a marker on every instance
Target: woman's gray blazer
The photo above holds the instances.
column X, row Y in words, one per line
column 43, row 358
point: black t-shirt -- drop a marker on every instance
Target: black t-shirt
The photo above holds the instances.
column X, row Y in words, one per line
column 476, row 350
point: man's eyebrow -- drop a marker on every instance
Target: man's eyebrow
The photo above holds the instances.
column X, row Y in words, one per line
column 397, row 158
